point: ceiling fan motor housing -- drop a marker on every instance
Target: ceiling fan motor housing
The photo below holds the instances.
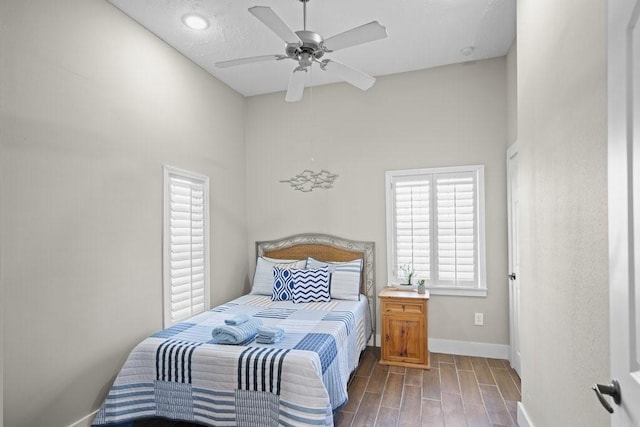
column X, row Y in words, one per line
column 310, row 49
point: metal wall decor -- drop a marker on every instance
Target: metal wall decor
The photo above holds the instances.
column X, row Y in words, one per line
column 307, row 180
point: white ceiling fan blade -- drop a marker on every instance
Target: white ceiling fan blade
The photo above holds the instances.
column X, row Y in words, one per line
column 249, row 60
column 269, row 18
column 296, row 85
column 362, row 34
column 350, row 75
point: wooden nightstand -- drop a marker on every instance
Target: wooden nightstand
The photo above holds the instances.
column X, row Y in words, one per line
column 404, row 338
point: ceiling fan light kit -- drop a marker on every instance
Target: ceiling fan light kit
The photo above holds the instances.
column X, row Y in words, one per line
column 306, row 47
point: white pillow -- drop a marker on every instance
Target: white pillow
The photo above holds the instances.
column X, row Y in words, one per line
column 345, row 277
column 263, row 277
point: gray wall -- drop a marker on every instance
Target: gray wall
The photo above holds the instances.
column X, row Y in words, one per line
column 92, row 106
column 453, row 115
column 1, row 345
column 564, row 253
column 512, row 94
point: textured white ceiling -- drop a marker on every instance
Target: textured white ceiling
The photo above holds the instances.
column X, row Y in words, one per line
column 422, row 34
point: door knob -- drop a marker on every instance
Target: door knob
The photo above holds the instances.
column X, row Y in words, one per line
column 512, row 276
column 612, row 390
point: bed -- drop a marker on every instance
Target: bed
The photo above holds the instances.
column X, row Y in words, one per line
column 180, row 374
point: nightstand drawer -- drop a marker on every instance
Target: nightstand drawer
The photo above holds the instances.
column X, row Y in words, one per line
column 402, row 307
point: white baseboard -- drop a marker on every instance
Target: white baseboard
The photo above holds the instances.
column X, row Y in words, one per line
column 377, row 337
column 469, row 348
column 85, row 421
column 465, row 348
column 523, row 418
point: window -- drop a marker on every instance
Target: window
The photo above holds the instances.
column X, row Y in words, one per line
column 186, row 245
column 435, row 223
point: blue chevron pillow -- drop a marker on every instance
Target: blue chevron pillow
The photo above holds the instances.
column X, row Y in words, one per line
column 311, row 285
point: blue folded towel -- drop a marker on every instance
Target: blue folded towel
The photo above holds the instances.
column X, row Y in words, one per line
column 265, row 340
column 237, row 319
column 270, row 332
column 236, row 334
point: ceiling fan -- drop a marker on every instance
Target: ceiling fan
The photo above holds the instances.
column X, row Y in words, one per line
column 306, row 47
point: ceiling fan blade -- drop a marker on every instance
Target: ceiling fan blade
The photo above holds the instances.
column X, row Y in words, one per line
column 355, row 36
column 296, row 85
column 249, row 60
column 350, row 75
column 269, row 18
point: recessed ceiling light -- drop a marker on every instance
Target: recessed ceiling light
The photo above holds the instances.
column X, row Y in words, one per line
column 195, row 22
column 466, row 51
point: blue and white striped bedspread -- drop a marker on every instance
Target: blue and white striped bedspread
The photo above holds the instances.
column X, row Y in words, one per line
column 179, row 374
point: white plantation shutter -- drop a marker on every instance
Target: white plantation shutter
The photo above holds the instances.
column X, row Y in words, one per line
column 456, row 226
column 412, row 224
column 186, row 246
column 435, row 222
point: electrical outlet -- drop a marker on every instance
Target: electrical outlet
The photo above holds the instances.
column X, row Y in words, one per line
column 479, row 319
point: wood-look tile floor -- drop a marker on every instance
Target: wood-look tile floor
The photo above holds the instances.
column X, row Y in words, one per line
column 458, row 391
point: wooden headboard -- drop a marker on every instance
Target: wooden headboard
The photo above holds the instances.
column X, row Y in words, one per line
column 328, row 248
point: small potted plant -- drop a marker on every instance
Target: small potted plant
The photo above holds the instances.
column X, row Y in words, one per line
column 421, row 288
column 408, row 272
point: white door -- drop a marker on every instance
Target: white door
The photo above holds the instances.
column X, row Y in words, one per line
column 624, row 207
column 514, row 258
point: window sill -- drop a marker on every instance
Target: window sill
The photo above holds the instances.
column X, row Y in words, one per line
column 458, row 292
